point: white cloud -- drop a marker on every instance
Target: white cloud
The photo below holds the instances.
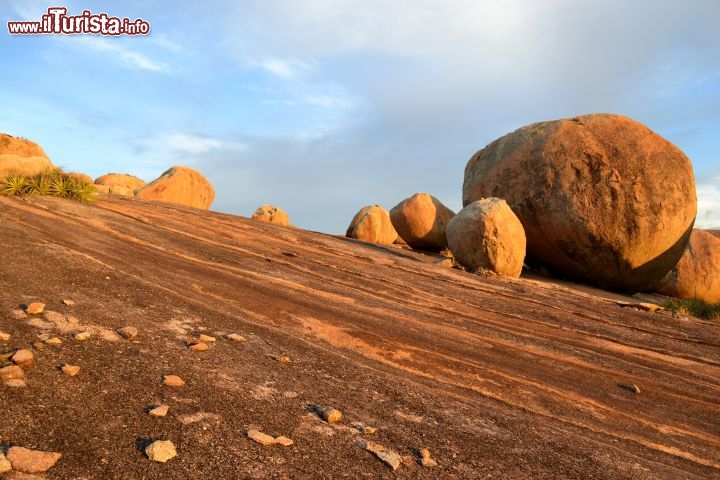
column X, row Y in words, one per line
column 708, row 193
column 124, row 56
column 174, row 144
column 285, row 68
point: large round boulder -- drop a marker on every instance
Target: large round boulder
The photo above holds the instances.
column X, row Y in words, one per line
column 271, row 214
column 602, row 198
column 120, row 180
column 697, row 274
column 421, row 220
column 487, row 234
column 182, row 185
column 372, row 224
column 20, row 156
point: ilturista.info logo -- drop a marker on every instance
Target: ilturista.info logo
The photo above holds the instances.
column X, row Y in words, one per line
column 58, row 22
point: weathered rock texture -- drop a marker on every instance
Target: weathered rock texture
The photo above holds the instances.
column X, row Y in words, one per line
column 603, row 199
column 271, row 214
column 421, row 220
column 181, row 185
column 373, row 224
column 697, row 274
column 18, row 155
column 131, row 182
column 487, row 234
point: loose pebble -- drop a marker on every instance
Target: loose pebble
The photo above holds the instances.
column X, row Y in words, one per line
column 199, row 347
column 631, row 387
column 206, row 338
column 282, row 359
column 160, row 411
column 389, row 457
column 4, row 337
column 23, row 358
column 11, row 372
column 428, row 462
column 234, row 337
column 32, row 461
column 5, row 465
column 54, row 341
column 284, row 441
column 330, row 414
column 128, row 333
column 260, row 437
column 35, row 308
column 15, row 383
column 173, row 381
column 70, row 370
column 190, row 341
column 161, row 451
column 82, row 336
column 68, row 302
column 39, row 345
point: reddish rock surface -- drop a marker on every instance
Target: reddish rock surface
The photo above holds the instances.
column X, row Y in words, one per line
column 499, row 378
column 602, row 198
column 697, row 274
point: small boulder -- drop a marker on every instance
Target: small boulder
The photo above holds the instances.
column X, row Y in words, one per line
column 487, row 234
column 161, row 451
column 129, row 182
column 372, row 224
column 159, row 411
column 32, row 461
column 421, row 221
column 70, row 370
column 20, row 156
column 260, row 437
column 23, row 358
column 35, row 308
column 81, row 336
column 182, row 185
column 128, row 333
column 235, row 337
column 4, row 336
column 329, row 414
column 391, row 458
column 697, row 274
column 173, row 381
column 11, row 372
column 271, row 214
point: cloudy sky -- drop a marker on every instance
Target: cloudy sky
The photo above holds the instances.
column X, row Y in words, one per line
column 324, row 106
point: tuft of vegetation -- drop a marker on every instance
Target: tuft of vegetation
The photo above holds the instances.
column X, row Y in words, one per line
column 55, row 183
column 696, row 308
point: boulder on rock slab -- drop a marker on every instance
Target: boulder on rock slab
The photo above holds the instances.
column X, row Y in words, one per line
column 487, row 234
column 129, row 182
column 602, row 198
column 372, row 224
column 697, row 274
column 181, row 185
column 23, row 157
column 271, row 214
column 421, row 221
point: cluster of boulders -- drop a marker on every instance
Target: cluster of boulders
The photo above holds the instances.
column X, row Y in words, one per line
column 181, row 185
column 598, row 198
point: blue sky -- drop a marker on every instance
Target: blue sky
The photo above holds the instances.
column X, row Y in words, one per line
column 324, row 106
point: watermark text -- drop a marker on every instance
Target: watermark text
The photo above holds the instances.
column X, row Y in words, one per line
column 58, row 22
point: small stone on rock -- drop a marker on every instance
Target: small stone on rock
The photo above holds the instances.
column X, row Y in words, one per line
column 282, row 359
column 82, row 336
column 234, row 337
column 206, row 338
column 39, row 345
column 71, row 370
column 35, row 308
column 161, row 451
column 284, row 441
column 391, row 458
column 4, row 337
column 199, row 347
column 428, row 462
column 72, row 320
column 23, row 358
column 54, row 341
column 173, row 381
column 260, row 437
column 68, row 302
column 160, row 411
column 11, row 372
column 128, row 333
column 15, row 383
column 631, row 387
column 32, row 461
column 424, row 453
column 330, row 414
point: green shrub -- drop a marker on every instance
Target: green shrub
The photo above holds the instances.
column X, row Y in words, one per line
column 55, row 183
column 694, row 307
